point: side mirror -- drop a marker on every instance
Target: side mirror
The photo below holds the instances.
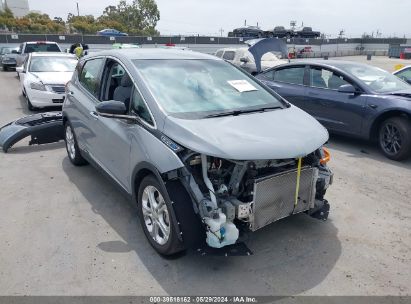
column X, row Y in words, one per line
column 349, row 89
column 14, row 52
column 20, row 69
column 244, row 59
column 112, row 109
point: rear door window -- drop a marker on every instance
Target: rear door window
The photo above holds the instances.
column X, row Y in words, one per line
column 293, row 75
column 90, row 76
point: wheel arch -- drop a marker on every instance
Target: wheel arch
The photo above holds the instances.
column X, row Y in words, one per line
column 373, row 134
column 139, row 173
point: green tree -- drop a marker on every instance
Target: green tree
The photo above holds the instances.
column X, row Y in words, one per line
column 139, row 18
column 7, row 20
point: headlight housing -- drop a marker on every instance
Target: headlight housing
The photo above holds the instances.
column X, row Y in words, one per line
column 325, row 156
column 37, row 86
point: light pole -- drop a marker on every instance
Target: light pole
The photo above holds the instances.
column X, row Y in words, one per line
column 78, row 10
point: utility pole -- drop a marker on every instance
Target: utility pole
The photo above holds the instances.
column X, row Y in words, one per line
column 78, row 10
column 245, row 22
column 221, row 32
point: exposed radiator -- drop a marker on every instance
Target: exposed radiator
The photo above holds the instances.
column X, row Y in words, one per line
column 274, row 196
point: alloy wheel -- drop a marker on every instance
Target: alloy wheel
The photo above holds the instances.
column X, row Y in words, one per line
column 71, row 148
column 390, row 139
column 155, row 214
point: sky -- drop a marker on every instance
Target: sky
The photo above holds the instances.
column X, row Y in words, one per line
column 209, row 17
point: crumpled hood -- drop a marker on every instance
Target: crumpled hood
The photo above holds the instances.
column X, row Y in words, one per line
column 54, row 77
column 278, row 134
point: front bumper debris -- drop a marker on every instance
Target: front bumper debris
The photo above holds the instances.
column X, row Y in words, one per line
column 43, row 128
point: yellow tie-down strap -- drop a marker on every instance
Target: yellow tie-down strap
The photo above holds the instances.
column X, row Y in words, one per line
column 297, row 187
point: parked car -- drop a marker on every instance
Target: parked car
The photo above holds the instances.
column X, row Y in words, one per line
column 35, row 46
column 8, row 56
column 280, row 32
column 7, row 50
column 248, row 32
column 305, row 52
column 203, row 148
column 43, row 77
column 349, row 98
column 307, row 32
column 260, row 54
column 111, row 32
column 404, row 74
column 243, row 58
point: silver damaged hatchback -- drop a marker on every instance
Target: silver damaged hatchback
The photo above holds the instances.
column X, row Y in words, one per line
column 207, row 152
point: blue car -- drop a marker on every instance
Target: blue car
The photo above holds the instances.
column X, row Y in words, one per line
column 349, row 98
column 111, row 33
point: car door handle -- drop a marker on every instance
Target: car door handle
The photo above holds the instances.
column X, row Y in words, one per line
column 373, row 106
column 94, row 114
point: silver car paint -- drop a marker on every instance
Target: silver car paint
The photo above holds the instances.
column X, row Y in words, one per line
column 277, row 134
column 284, row 133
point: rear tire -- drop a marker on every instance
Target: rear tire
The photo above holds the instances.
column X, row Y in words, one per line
column 395, row 138
column 72, row 148
column 156, row 217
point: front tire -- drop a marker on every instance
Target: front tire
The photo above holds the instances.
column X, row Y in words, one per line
column 395, row 138
column 28, row 102
column 72, row 148
column 156, row 217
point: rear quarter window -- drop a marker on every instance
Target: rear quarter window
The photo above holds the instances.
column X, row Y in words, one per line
column 229, row 55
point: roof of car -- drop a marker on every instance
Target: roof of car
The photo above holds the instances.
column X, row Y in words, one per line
column 322, row 62
column 52, row 54
column 155, row 53
column 41, row 42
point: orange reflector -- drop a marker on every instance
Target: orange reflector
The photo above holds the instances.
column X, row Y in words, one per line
column 326, row 156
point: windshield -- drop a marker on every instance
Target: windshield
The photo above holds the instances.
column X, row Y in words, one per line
column 42, row 47
column 52, row 64
column 376, row 79
column 197, row 88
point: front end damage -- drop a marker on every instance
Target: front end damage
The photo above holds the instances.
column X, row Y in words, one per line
column 43, row 128
column 234, row 197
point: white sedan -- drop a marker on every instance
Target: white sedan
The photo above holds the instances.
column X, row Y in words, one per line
column 43, row 77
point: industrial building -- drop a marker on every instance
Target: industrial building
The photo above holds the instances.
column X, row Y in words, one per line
column 20, row 8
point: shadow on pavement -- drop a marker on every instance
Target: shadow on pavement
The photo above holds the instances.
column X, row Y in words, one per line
column 290, row 256
column 360, row 148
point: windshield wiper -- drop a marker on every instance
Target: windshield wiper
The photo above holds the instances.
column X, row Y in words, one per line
column 239, row 112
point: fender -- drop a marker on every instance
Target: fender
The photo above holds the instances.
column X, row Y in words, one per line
column 43, row 128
